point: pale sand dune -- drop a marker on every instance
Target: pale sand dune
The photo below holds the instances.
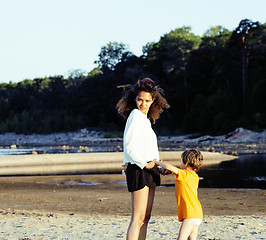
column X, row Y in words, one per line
column 89, row 162
column 25, row 225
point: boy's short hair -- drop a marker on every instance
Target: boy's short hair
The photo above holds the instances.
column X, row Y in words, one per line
column 193, row 158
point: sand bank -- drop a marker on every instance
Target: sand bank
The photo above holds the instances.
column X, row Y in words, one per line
column 107, row 194
column 85, row 162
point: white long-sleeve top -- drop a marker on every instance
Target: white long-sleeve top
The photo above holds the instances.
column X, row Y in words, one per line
column 139, row 141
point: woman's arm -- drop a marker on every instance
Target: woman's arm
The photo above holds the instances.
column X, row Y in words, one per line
column 167, row 166
column 137, row 139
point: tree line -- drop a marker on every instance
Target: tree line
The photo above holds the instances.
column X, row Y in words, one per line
column 214, row 84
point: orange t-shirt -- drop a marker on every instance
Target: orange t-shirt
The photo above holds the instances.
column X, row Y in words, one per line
column 186, row 192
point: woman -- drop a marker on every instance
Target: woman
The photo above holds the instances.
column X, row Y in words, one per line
column 141, row 102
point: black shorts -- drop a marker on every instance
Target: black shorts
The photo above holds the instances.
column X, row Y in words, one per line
column 138, row 178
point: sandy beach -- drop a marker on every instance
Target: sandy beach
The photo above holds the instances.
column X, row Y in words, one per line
column 98, row 207
column 63, row 226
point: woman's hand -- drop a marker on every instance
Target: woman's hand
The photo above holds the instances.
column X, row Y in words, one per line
column 151, row 164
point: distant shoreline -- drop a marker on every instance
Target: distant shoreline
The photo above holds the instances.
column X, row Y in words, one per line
column 240, row 141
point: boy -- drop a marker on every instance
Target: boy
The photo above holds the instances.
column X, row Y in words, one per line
column 186, row 191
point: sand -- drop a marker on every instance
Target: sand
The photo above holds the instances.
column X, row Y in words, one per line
column 86, row 162
column 62, row 226
column 98, row 207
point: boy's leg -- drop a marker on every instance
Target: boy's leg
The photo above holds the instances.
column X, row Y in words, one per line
column 188, row 230
column 194, row 233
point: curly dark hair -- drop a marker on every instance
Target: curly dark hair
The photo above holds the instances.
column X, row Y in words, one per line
column 127, row 103
column 193, row 158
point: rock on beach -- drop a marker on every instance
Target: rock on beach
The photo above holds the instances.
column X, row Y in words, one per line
column 86, row 137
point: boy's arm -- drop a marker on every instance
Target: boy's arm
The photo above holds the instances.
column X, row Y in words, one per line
column 167, row 166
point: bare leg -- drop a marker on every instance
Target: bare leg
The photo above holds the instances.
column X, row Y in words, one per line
column 194, row 233
column 139, row 200
column 188, row 230
column 143, row 229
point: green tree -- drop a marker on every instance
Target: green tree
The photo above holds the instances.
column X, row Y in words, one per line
column 243, row 35
column 94, row 72
column 170, row 53
column 215, row 36
column 111, row 54
column 167, row 61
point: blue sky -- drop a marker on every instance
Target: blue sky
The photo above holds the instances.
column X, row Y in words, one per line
column 42, row 38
